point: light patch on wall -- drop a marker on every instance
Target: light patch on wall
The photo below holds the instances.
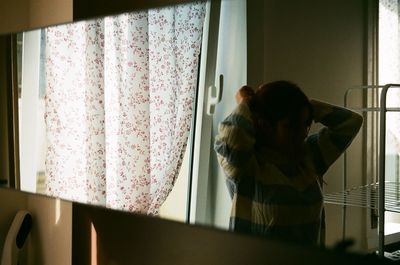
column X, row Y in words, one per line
column 58, row 210
column 93, row 245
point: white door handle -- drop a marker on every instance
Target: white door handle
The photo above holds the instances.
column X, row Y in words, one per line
column 211, row 100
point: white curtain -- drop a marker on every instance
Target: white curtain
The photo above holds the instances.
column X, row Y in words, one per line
column 119, row 104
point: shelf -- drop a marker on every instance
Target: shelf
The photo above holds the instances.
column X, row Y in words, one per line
column 367, row 196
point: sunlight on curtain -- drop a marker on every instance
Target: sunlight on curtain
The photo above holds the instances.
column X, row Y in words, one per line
column 119, row 101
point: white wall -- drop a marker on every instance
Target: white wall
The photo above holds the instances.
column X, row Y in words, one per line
column 44, row 12
column 19, row 15
column 50, row 239
column 14, row 15
column 10, row 203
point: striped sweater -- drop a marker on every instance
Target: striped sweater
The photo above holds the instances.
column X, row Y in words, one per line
column 272, row 196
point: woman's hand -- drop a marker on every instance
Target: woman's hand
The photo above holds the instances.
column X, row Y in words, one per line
column 244, row 94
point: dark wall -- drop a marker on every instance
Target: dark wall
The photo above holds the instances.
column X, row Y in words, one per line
column 122, row 238
column 323, row 47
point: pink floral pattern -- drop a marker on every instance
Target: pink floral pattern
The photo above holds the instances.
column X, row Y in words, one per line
column 119, row 105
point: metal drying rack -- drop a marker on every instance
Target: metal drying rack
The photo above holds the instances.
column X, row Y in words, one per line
column 374, row 196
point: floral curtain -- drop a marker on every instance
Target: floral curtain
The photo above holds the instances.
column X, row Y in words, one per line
column 119, row 101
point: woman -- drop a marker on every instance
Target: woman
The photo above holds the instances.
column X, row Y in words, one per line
column 274, row 169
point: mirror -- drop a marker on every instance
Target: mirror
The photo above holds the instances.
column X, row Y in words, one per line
column 320, row 45
column 104, row 104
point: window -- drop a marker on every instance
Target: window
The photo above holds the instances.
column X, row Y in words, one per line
column 389, row 72
column 63, row 68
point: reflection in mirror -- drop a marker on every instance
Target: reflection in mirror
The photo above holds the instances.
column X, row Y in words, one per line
column 308, row 44
column 106, row 106
column 91, row 95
